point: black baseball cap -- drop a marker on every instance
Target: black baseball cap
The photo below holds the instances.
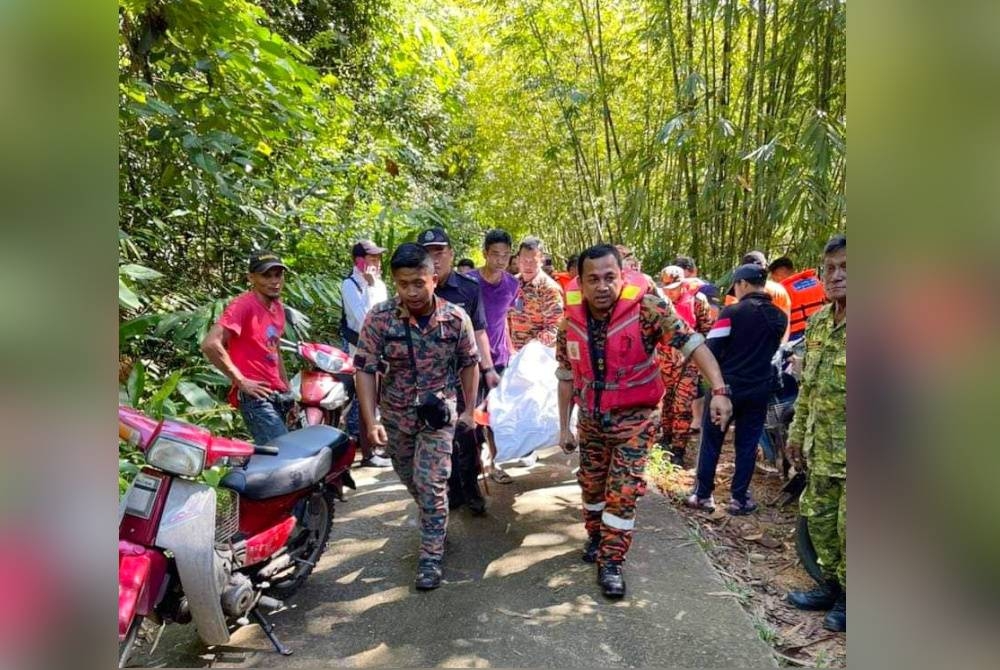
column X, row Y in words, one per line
column 432, row 237
column 366, row 248
column 751, row 272
column 262, row 261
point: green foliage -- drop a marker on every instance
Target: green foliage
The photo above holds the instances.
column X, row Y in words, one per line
column 658, row 464
column 674, row 126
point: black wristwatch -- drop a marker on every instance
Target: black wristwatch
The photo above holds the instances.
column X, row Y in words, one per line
column 489, row 369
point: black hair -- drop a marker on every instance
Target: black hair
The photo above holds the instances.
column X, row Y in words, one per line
column 547, row 260
column 497, row 236
column 783, row 262
column 754, row 258
column 684, row 263
column 571, row 262
column 466, row 262
column 411, row 255
column 836, row 243
column 595, row 252
column 531, row 243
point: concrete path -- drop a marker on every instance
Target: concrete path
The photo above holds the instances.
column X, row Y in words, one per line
column 515, row 594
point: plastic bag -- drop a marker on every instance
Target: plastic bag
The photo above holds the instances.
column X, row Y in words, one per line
column 524, row 407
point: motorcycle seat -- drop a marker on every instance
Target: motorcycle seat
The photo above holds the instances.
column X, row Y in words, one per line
column 304, row 458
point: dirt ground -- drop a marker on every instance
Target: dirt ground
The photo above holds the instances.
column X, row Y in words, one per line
column 756, row 556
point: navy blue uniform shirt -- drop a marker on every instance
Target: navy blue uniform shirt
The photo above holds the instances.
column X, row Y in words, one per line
column 464, row 292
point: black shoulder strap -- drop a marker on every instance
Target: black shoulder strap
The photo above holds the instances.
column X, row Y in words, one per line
column 409, row 347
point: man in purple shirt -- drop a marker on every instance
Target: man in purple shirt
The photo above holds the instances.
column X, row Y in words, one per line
column 499, row 290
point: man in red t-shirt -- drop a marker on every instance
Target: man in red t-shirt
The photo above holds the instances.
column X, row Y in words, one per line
column 243, row 345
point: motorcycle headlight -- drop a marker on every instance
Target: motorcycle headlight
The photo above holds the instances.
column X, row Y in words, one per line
column 176, row 457
column 328, row 363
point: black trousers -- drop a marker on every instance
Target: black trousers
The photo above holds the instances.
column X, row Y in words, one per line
column 466, row 462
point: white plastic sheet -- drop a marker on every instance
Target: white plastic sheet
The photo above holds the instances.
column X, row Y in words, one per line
column 524, row 407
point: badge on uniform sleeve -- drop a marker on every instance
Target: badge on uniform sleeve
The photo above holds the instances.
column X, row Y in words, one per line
column 573, row 350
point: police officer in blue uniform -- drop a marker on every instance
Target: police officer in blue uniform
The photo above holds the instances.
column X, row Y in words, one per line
column 456, row 288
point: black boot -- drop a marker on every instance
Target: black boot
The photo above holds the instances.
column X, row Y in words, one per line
column 591, row 548
column 475, row 502
column 836, row 618
column 611, row 579
column 677, row 456
column 428, row 574
column 820, row 598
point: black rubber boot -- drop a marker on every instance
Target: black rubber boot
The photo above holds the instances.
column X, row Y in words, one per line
column 611, row 579
column 836, row 618
column 428, row 574
column 591, row 548
column 823, row 597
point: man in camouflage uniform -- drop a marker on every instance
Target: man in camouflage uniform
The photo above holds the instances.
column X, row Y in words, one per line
column 423, row 340
column 819, row 433
column 619, row 404
column 680, row 376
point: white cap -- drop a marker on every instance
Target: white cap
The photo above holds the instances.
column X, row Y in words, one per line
column 672, row 276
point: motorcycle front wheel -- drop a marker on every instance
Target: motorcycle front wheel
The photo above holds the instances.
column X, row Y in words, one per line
column 307, row 544
column 806, row 551
column 126, row 647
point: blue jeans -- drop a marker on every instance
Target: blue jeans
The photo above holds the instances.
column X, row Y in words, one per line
column 748, row 415
column 353, row 419
column 265, row 418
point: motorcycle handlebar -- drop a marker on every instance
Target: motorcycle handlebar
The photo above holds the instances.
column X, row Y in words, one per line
column 264, row 450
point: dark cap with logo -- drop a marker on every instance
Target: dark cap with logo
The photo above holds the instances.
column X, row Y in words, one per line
column 262, row 261
column 366, row 248
column 750, row 272
column 433, row 236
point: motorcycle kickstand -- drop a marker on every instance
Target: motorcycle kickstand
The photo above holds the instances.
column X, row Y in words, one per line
column 268, row 629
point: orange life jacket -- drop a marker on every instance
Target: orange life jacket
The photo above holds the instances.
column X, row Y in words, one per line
column 563, row 278
column 632, row 376
column 808, row 297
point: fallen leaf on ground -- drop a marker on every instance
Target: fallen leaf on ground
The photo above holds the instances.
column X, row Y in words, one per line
column 768, row 541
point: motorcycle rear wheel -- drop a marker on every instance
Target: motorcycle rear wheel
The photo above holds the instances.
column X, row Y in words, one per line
column 310, row 546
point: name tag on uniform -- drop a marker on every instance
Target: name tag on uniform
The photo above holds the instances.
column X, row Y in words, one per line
column 573, row 350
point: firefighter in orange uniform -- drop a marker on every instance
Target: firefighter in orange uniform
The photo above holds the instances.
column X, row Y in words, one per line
column 607, row 366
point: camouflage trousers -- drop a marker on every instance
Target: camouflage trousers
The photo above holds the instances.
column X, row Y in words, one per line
column 423, row 462
column 681, row 380
column 824, row 503
column 612, row 464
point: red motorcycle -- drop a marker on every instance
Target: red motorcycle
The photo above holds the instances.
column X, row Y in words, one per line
column 217, row 556
column 324, row 386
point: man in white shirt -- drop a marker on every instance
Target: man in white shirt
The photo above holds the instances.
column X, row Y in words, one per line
column 360, row 292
